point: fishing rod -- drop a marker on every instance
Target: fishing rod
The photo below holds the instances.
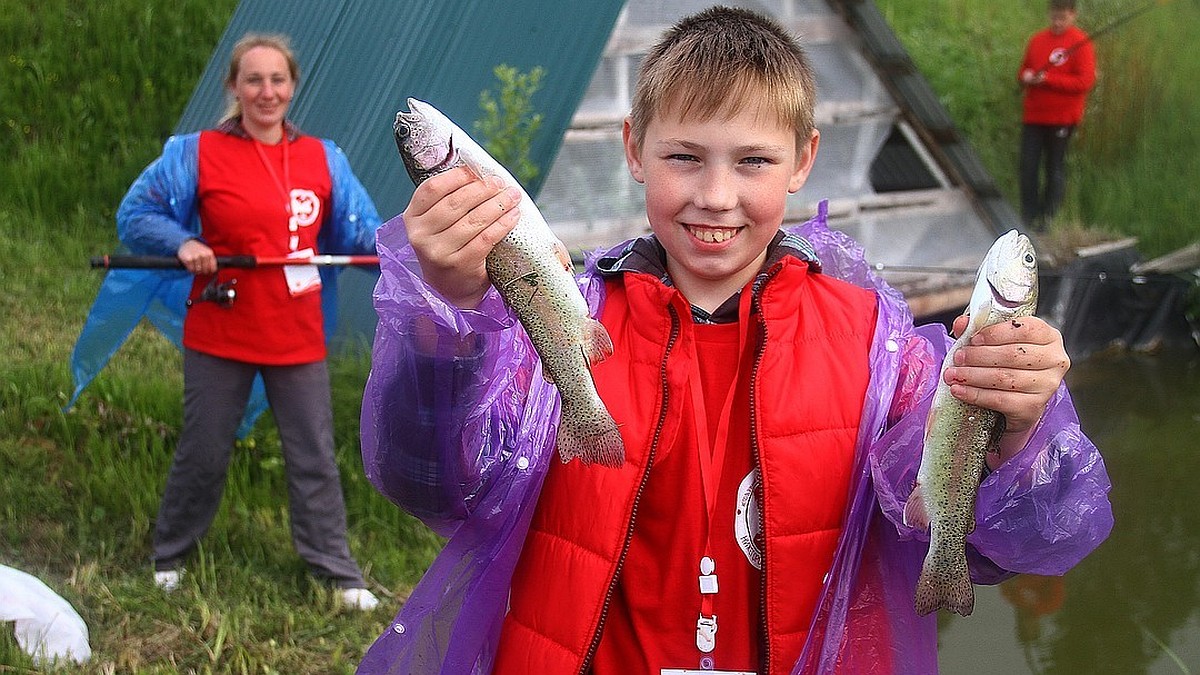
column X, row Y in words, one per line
column 1107, row 28
column 224, row 293
column 1100, row 275
column 109, row 262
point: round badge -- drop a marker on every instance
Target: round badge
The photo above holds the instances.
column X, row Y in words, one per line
column 747, row 524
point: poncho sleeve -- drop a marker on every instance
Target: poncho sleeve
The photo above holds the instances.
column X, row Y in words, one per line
column 1039, row 512
column 158, row 212
column 353, row 218
column 451, row 396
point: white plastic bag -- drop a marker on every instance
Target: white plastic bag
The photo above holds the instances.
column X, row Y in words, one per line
column 47, row 627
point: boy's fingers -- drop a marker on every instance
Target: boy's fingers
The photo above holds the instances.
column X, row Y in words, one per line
column 435, row 189
column 959, row 325
column 1021, row 356
column 1027, row 329
column 492, row 207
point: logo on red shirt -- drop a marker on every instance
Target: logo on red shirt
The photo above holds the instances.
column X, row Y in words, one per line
column 306, row 207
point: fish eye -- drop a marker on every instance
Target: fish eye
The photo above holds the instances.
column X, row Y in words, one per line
column 1029, row 258
column 402, row 131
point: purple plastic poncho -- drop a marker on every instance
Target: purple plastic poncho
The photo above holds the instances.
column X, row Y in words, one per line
column 457, row 429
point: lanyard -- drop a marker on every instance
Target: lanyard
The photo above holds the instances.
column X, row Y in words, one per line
column 712, row 464
column 284, row 186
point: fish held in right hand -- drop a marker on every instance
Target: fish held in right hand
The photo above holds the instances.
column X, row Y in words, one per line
column 530, row 270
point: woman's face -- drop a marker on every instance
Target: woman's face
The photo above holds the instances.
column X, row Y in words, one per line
column 264, row 88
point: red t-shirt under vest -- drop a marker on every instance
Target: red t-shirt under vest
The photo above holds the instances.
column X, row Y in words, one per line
column 652, row 618
column 249, row 199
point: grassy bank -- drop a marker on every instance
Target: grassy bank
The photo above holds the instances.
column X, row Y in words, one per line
column 1134, row 162
column 88, row 92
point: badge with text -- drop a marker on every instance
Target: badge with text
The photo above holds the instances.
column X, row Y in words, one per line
column 302, row 279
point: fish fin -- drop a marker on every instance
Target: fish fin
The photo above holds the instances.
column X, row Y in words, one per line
column 597, row 345
column 916, row 513
column 943, row 586
column 602, row 445
column 564, row 256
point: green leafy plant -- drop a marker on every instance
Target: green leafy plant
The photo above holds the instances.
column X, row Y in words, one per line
column 508, row 123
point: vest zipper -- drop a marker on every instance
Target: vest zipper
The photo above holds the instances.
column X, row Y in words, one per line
column 760, row 349
column 662, row 418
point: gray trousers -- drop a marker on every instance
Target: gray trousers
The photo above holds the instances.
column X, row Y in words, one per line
column 215, row 394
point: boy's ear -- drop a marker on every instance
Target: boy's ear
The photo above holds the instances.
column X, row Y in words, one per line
column 633, row 154
column 806, row 155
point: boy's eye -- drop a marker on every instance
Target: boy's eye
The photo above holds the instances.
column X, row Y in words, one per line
column 681, row 157
column 757, row 161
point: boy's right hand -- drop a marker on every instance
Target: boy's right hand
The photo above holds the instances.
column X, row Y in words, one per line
column 453, row 220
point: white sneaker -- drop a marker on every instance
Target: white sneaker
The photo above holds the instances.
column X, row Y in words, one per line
column 168, row 580
column 358, row 598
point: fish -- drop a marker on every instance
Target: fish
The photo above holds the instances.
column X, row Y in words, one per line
column 533, row 274
column 959, row 435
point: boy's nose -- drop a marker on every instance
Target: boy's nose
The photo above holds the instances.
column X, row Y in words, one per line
column 717, row 192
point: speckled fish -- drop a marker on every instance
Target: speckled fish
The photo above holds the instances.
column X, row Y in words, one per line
column 531, row 270
column 959, row 435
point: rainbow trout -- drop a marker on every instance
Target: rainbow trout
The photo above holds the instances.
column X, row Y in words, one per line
column 532, row 272
column 959, row 435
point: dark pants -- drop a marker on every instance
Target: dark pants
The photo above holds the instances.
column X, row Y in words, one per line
column 1043, row 147
column 214, row 400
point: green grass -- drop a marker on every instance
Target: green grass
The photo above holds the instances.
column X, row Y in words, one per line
column 88, row 91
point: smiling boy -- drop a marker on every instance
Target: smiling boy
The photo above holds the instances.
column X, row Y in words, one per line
column 770, row 390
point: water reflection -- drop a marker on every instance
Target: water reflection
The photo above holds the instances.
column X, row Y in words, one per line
column 1133, row 606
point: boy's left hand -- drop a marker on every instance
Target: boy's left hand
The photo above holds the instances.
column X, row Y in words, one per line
column 1013, row 367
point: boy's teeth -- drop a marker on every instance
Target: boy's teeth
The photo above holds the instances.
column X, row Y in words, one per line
column 711, row 236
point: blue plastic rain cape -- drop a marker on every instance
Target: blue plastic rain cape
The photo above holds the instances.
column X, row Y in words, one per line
column 468, row 455
column 157, row 215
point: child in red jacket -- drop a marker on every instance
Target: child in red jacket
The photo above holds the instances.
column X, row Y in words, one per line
column 1056, row 75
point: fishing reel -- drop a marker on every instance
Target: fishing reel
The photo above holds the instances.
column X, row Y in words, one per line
column 223, row 294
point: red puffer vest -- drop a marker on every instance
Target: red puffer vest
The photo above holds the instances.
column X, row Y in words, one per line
column 810, row 378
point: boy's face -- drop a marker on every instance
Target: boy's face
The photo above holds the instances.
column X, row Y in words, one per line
column 1061, row 20
column 716, row 192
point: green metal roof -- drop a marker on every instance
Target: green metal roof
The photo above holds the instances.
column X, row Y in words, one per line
column 361, row 59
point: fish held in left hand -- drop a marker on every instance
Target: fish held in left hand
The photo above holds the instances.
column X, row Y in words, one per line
column 531, row 270
column 959, row 435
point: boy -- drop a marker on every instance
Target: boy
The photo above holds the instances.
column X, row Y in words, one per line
column 755, row 525
column 1058, row 71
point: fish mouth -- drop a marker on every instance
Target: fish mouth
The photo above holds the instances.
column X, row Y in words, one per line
column 1001, row 300
column 415, row 153
column 447, row 161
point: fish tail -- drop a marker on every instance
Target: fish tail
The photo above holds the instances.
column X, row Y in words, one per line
column 596, row 443
column 945, row 583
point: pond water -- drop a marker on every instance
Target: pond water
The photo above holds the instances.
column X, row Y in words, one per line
column 1133, row 606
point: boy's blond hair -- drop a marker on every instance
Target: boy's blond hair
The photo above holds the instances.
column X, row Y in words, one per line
column 720, row 60
column 278, row 42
